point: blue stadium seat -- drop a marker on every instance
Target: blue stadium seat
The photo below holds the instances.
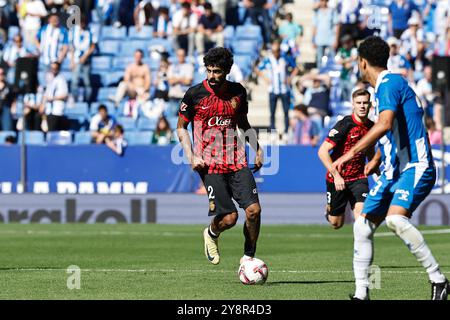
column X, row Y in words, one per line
column 152, row 63
column 173, row 121
column 129, row 124
column 33, row 137
column 245, row 47
column 146, row 124
column 101, row 63
column 128, row 48
column 243, row 61
column 79, row 109
column 249, row 32
column 120, row 63
column 82, row 137
column 198, row 77
column 109, row 47
column 59, row 138
column 105, row 93
column 111, row 78
column 139, row 137
column 159, row 43
column 4, row 134
column 110, row 32
column 146, row 33
column 228, row 33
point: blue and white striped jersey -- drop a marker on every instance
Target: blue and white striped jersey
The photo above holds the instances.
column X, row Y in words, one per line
column 51, row 40
column 406, row 145
column 277, row 71
column 80, row 40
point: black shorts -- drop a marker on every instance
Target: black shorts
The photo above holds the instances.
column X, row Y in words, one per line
column 222, row 188
column 355, row 191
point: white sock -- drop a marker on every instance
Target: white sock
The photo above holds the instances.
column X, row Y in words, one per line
column 211, row 233
column 415, row 242
column 363, row 231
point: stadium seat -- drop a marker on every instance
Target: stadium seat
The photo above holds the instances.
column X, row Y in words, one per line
column 228, row 33
column 109, row 47
column 4, row 134
column 161, row 45
column 139, row 137
column 129, row 124
column 111, row 78
column 120, row 63
column 33, row 137
column 146, row 124
column 146, row 33
column 104, row 93
column 101, row 63
column 245, row 47
column 128, row 49
column 173, row 121
column 110, row 33
column 82, row 137
column 249, row 32
column 79, row 109
column 59, row 138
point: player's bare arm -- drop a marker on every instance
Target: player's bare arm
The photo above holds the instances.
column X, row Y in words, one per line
column 183, row 135
column 324, row 156
column 252, row 139
column 384, row 124
column 373, row 165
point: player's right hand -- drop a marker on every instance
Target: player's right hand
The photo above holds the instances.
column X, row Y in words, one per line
column 339, row 183
column 197, row 163
column 371, row 168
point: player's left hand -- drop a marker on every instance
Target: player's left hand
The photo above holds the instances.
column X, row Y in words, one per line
column 339, row 163
column 259, row 161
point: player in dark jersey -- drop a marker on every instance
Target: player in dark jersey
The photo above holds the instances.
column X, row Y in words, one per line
column 216, row 107
column 352, row 186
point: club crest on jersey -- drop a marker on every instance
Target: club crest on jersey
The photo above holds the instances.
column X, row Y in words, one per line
column 332, row 133
column 183, row 107
column 212, row 206
column 234, row 102
column 219, row 122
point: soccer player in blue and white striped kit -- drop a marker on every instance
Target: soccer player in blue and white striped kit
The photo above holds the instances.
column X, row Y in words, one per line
column 409, row 172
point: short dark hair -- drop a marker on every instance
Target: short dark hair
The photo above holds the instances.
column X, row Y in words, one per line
column 102, row 107
column 302, row 108
column 119, row 128
column 186, row 5
column 375, row 50
column 207, row 6
column 219, row 57
column 360, row 92
column 10, row 139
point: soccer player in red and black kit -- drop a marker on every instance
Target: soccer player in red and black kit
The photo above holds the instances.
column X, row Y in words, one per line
column 352, row 186
column 215, row 108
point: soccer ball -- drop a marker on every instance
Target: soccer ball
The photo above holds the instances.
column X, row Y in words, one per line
column 253, row 271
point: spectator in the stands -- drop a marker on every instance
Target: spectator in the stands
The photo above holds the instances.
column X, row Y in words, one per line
column 398, row 63
column 136, row 82
column 144, row 14
column 220, row 6
column 442, row 47
column 163, row 134
column 400, row 11
column 31, row 104
column 52, row 42
column 427, row 96
column 323, row 31
column 162, row 27
column 11, row 53
column 347, row 56
column 258, row 11
column 82, row 46
column 291, row 34
column 161, row 83
column 434, row 134
column 54, row 101
column 209, row 30
column 278, row 71
column 116, row 142
column 7, row 102
column 412, row 39
column 305, row 131
column 184, row 23
column 180, row 75
column 30, row 14
column 102, row 125
column 348, row 21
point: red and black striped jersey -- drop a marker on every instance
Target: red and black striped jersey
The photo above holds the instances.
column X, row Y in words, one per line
column 214, row 117
column 344, row 135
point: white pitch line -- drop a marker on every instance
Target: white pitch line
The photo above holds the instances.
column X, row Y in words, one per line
column 205, row 271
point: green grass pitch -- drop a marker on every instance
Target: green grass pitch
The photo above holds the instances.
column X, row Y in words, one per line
column 167, row 262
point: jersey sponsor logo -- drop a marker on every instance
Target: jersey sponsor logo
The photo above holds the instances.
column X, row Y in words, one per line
column 183, row 107
column 404, row 194
column 332, row 133
column 219, row 122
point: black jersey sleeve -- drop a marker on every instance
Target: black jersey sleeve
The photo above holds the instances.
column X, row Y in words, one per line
column 338, row 133
column 243, row 108
column 187, row 107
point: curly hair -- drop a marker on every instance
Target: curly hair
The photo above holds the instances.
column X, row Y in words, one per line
column 375, row 50
column 219, row 57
